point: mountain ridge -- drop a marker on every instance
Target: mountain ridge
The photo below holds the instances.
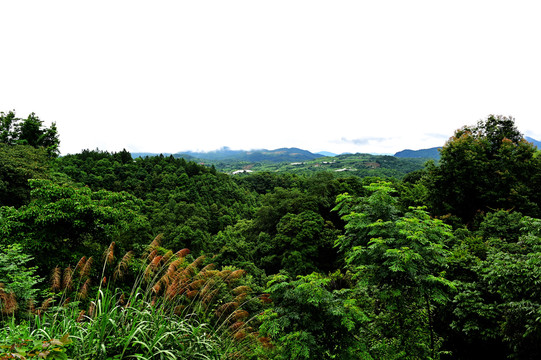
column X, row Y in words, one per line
column 291, row 154
column 430, row 153
column 256, row 155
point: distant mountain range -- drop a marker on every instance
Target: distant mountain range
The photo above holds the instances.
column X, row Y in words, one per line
column 326, row 153
column 226, row 154
column 432, row 153
column 277, row 155
column 289, row 154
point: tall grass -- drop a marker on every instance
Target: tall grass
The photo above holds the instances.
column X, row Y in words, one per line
column 173, row 309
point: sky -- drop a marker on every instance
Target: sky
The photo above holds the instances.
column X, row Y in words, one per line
column 338, row 76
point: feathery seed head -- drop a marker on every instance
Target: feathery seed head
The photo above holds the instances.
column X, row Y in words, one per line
column 67, row 280
column 182, row 253
column 85, row 271
column 109, row 253
column 56, row 279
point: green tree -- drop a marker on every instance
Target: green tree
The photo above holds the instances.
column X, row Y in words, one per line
column 15, row 276
column 497, row 308
column 359, row 213
column 65, row 222
column 29, row 131
column 313, row 318
column 18, row 164
column 483, row 167
column 303, row 244
column 399, row 263
column 7, row 128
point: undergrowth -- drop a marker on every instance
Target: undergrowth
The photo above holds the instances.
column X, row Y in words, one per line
column 158, row 306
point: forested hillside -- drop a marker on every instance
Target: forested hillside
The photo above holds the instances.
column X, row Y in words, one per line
column 106, row 256
column 299, row 161
column 345, row 165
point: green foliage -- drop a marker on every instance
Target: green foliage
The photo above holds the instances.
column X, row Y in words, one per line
column 300, row 244
column 15, row 276
column 29, row 131
column 487, row 166
column 140, row 330
column 18, row 164
column 498, row 298
column 173, row 307
column 304, row 240
column 501, row 225
column 264, row 182
column 187, row 202
column 366, row 216
column 68, row 222
column 292, row 228
column 53, row 349
column 400, row 263
column 400, row 283
column 312, row 318
column 412, row 190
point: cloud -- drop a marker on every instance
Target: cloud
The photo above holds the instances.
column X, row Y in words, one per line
column 438, row 136
column 362, row 141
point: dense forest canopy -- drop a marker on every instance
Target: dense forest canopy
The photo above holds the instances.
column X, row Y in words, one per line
column 105, row 256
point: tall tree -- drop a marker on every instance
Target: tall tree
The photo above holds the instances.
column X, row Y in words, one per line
column 29, row 131
column 482, row 167
column 399, row 264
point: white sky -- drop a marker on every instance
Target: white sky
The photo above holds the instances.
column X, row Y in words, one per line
column 342, row 76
